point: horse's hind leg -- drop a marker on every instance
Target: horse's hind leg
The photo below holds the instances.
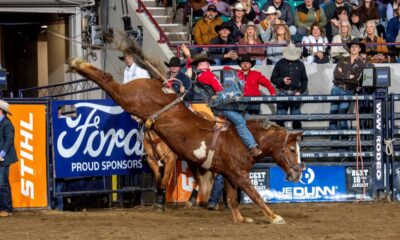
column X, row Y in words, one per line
column 245, row 185
column 233, row 204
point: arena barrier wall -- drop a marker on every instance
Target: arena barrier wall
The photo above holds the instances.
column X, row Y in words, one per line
column 393, row 146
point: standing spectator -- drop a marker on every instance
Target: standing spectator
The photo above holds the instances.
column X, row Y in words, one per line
column 224, row 55
column 252, row 79
column 251, row 10
column 290, row 77
column 319, row 53
column 339, row 52
column 393, row 31
column 347, row 75
column 281, row 36
column 375, row 53
column 391, row 10
column 306, row 14
column 175, row 66
column 222, row 7
column 204, row 29
column 357, row 27
column 251, row 38
column 7, row 157
column 238, row 19
column 368, row 11
column 283, row 7
column 266, row 26
column 132, row 70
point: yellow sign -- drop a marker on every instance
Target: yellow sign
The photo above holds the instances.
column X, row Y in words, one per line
column 28, row 177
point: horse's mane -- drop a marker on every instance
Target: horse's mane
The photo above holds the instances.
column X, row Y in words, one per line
column 140, row 59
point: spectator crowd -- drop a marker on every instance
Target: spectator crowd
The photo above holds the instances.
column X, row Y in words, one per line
column 323, row 28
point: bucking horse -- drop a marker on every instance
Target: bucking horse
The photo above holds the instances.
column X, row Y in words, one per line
column 190, row 136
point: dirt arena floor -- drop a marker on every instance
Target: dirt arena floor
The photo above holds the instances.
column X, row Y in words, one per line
column 304, row 221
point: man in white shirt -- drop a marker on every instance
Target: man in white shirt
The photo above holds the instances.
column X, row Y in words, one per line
column 132, row 70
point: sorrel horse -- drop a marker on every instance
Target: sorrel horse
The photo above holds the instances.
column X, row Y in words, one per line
column 185, row 133
column 269, row 136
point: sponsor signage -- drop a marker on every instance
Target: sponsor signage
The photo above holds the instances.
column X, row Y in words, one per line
column 359, row 181
column 259, row 179
column 181, row 189
column 28, row 176
column 378, row 173
column 97, row 138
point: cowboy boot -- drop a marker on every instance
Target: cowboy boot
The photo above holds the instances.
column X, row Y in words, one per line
column 255, row 152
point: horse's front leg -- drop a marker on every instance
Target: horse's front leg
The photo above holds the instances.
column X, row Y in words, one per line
column 245, row 184
column 233, row 203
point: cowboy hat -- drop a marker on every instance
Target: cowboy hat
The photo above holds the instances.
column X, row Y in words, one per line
column 244, row 27
column 272, row 10
column 201, row 57
column 357, row 41
column 212, row 7
column 224, row 25
column 4, row 106
column 174, row 62
column 291, row 52
column 238, row 6
column 246, row 58
column 127, row 52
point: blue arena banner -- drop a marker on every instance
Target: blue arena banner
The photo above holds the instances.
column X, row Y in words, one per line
column 318, row 184
column 94, row 138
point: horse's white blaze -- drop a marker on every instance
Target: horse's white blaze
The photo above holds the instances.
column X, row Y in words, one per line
column 298, row 153
column 201, row 152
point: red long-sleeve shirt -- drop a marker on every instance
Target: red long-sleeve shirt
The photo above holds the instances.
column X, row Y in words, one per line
column 208, row 78
column 253, row 80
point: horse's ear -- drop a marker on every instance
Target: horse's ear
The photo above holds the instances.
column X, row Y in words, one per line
column 297, row 134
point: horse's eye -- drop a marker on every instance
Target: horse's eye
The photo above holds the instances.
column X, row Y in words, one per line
column 292, row 149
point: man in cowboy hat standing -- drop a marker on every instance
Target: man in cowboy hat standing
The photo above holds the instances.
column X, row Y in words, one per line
column 175, row 66
column 7, row 157
column 346, row 80
column 132, row 70
column 224, row 55
column 289, row 76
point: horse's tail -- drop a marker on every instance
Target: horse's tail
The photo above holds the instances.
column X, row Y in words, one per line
column 143, row 61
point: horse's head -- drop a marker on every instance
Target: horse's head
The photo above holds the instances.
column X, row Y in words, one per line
column 283, row 147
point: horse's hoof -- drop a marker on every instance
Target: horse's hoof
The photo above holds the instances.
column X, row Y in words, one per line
column 278, row 220
column 188, row 204
column 248, row 220
column 159, row 208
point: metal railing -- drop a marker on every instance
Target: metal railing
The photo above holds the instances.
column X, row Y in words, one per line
column 59, row 90
column 142, row 8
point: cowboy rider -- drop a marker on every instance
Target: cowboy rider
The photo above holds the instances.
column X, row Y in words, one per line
column 206, row 77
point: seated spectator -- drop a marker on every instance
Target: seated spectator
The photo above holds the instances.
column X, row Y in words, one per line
column 222, row 7
column 357, row 27
column 332, row 27
column 238, row 19
column 319, row 53
column 375, row 53
column 225, row 55
column 196, row 5
column 368, row 11
column 251, row 10
column 251, row 38
column 331, row 7
column 266, row 26
column 393, row 32
column 339, row 52
column 283, row 7
column 290, row 77
column 391, row 10
column 203, row 30
column 175, row 66
column 306, row 14
column 281, row 36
